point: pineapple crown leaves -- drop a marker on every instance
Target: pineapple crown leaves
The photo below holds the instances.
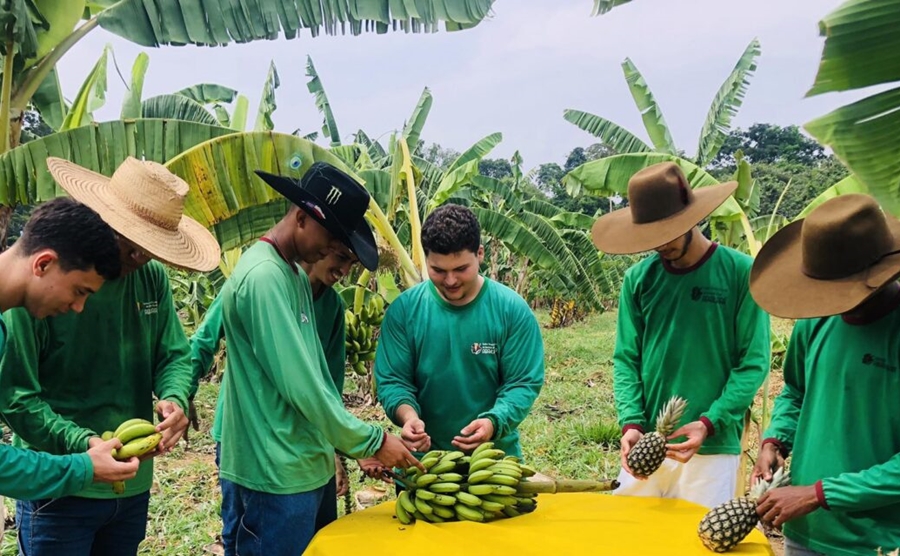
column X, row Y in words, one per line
column 669, row 415
column 779, row 478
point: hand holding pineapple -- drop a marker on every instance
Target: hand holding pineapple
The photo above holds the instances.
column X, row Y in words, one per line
column 629, row 439
column 781, row 505
column 696, row 432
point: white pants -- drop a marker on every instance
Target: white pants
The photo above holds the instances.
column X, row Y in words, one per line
column 704, row 480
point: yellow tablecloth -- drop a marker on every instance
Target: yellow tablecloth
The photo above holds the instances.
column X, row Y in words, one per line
column 563, row 524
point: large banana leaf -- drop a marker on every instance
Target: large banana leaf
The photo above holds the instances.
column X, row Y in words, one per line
column 91, row 96
column 862, row 46
column 177, row 107
column 517, row 237
column 61, row 18
column 22, row 18
column 49, row 101
column 227, row 197
column 451, row 182
column 219, row 22
column 603, row 6
column 560, row 217
column 267, row 103
column 650, row 111
column 610, row 134
column 477, row 151
column 850, row 184
column 376, row 151
column 209, row 93
column 329, row 125
column 726, row 104
column 864, row 136
column 413, row 128
column 131, row 106
column 99, row 147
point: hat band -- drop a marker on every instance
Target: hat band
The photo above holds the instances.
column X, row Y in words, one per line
column 837, row 276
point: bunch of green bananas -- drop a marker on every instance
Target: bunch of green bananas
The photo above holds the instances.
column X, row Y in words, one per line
column 481, row 487
column 360, row 339
column 138, row 437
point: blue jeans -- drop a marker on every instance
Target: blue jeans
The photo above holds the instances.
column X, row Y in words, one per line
column 287, row 530
column 82, row 526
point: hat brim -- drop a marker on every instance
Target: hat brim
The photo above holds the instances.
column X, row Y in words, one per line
column 779, row 286
column 190, row 246
column 359, row 239
column 616, row 233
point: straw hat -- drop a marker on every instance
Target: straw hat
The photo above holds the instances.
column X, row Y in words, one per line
column 828, row 263
column 143, row 202
column 334, row 200
column 661, row 207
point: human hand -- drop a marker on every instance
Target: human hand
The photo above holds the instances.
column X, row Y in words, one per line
column 341, row 479
column 696, row 432
column 373, row 468
column 473, row 434
column 783, row 504
column 106, row 468
column 193, row 418
column 768, row 460
column 394, row 453
column 173, row 424
column 629, row 439
column 414, row 435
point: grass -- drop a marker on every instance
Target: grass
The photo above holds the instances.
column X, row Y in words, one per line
column 570, row 433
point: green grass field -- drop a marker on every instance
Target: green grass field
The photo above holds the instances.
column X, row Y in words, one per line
column 571, row 433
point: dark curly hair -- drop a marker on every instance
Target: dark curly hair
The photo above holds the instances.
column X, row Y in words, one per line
column 450, row 229
column 81, row 239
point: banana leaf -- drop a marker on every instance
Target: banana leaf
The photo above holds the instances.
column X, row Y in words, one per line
column 850, row 184
column 177, row 107
column 48, row 100
column 99, row 147
column 91, row 96
column 610, row 134
column 376, row 151
column 267, row 103
column 413, row 127
column 329, row 125
column 220, row 22
column 452, row 181
column 725, row 105
column 603, row 6
column 61, row 18
column 477, row 151
column 227, row 197
column 649, row 109
column 209, row 93
column 131, row 106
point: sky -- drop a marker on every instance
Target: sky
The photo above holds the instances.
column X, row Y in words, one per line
column 514, row 73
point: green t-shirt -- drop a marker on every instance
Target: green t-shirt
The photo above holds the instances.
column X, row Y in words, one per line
column 457, row 364
column 65, row 379
column 29, row 475
column 838, row 412
column 329, row 311
column 280, row 405
column 694, row 333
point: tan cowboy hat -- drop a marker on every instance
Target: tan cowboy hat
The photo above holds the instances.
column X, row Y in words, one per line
column 661, row 207
column 143, row 202
column 830, row 262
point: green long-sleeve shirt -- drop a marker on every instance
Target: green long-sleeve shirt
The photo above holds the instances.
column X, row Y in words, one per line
column 694, row 333
column 838, row 412
column 280, row 405
column 329, row 311
column 65, row 379
column 456, row 364
column 29, row 475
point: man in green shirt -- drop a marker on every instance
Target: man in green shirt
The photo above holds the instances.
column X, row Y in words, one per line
column 460, row 358
column 281, row 415
column 66, row 379
column 66, row 252
column 687, row 327
column 836, row 270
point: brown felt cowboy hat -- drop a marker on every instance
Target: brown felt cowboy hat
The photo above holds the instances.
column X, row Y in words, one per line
column 828, row 263
column 143, row 202
column 662, row 207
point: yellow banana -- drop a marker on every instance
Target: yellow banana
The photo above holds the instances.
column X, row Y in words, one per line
column 511, row 512
column 482, row 463
column 106, row 435
column 444, row 488
column 450, row 478
column 493, row 453
column 468, row 499
column 468, row 513
column 423, row 506
column 527, row 470
column 453, row 456
column 480, row 476
column 443, row 500
column 487, row 488
column 426, row 479
column 424, row 494
column 119, row 487
column 127, row 424
column 489, row 506
column 482, row 447
column 138, row 430
column 443, row 466
column 406, row 502
column 403, row 516
column 444, row 512
column 501, row 499
column 139, row 446
column 502, row 480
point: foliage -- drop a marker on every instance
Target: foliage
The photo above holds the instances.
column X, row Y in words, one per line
column 769, row 144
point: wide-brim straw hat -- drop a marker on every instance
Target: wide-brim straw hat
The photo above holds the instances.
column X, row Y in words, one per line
column 662, row 207
column 143, row 202
column 836, row 258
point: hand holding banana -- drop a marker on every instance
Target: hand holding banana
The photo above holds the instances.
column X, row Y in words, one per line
column 136, row 438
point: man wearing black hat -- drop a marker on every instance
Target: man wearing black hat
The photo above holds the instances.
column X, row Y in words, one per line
column 282, row 417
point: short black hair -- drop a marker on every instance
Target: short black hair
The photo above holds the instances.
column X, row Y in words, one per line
column 81, row 239
column 450, row 229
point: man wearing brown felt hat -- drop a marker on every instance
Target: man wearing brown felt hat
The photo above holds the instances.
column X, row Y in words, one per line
column 837, row 271
column 687, row 327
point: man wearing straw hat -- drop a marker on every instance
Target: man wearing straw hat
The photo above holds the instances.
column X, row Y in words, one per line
column 687, row 327
column 282, row 417
column 66, row 252
column 66, row 379
column 836, row 270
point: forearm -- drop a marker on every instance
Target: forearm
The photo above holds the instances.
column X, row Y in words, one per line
column 48, row 476
column 404, row 413
column 868, row 489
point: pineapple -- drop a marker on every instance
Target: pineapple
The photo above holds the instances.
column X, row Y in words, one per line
column 724, row 526
column 649, row 452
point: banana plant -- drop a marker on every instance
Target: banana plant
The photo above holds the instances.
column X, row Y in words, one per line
column 603, row 6
column 861, row 50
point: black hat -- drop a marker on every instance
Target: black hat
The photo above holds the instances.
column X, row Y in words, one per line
column 334, row 200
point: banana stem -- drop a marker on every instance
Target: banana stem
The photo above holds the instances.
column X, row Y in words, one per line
column 566, row 485
column 359, row 296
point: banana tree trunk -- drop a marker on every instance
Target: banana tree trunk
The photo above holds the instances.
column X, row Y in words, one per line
column 522, row 282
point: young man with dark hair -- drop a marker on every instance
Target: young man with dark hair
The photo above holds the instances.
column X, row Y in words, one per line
column 836, row 272
column 687, row 327
column 66, row 379
column 281, row 416
column 460, row 358
column 65, row 254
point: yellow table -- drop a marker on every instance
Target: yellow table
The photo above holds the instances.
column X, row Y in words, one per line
column 563, row 524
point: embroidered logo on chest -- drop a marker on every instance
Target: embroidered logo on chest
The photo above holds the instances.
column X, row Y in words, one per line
column 479, row 348
column 870, row 360
column 147, row 307
column 709, row 294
